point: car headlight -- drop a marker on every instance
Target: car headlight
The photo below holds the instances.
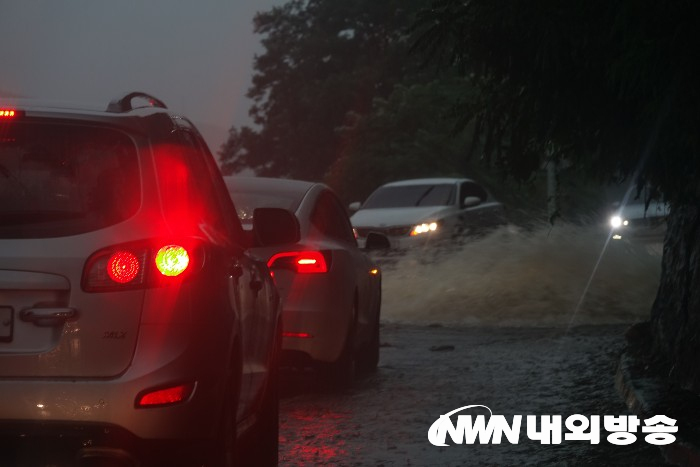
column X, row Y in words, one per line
column 423, row 228
column 617, row 222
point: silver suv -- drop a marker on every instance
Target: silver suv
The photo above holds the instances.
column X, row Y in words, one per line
column 134, row 327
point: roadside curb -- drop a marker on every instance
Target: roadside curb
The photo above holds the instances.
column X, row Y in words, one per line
column 647, row 395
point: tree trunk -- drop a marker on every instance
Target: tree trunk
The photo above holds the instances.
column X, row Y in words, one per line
column 552, row 189
column 675, row 315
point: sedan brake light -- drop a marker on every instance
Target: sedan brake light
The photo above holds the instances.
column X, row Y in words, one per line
column 297, row 335
column 302, row 262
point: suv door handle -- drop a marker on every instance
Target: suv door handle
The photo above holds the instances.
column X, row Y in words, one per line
column 46, row 317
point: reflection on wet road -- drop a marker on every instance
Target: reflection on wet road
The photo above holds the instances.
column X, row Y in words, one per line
column 383, row 419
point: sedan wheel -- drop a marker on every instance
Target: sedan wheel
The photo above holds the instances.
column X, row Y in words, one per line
column 369, row 358
column 341, row 373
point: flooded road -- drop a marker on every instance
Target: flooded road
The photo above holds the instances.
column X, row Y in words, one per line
column 548, row 276
column 424, row 372
column 523, row 322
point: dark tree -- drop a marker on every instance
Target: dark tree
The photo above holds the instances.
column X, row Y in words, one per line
column 322, row 60
column 407, row 135
column 611, row 87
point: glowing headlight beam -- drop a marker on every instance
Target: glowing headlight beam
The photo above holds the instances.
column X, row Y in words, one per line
column 616, row 222
column 423, row 228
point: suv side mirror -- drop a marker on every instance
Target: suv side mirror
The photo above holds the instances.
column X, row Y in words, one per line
column 274, row 226
column 354, row 206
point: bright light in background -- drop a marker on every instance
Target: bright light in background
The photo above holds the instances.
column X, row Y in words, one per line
column 195, row 56
column 617, row 222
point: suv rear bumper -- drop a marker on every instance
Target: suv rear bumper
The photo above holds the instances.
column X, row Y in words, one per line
column 69, row 444
column 167, row 356
column 111, row 403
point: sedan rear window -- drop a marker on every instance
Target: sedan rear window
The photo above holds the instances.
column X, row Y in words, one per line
column 58, row 179
column 405, row 196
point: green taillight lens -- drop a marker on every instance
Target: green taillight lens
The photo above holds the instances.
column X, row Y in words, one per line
column 172, row 260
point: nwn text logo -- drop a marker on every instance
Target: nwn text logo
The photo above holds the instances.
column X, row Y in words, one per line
column 467, row 432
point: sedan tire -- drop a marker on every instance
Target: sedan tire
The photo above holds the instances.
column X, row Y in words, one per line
column 369, row 356
column 341, row 373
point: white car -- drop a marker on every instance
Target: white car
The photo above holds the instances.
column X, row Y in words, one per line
column 331, row 291
column 135, row 328
column 414, row 212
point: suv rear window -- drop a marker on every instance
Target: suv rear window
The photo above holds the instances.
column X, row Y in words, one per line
column 58, row 179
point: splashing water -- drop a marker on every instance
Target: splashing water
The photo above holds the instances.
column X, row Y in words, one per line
column 547, row 276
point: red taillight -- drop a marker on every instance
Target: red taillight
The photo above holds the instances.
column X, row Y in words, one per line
column 298, row 335
column 7, row 113
column 165, row 396
column 115, row 268
column 172, row 260
column 142, row 264
column 303, row 262
column 123, row 267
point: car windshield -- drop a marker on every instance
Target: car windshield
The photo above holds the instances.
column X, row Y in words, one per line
column 405, row 196
column 246, row 202
column 59, row 180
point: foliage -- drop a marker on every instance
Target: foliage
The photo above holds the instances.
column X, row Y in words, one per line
column 322, row 59
column 608, row 85
column 407, row 135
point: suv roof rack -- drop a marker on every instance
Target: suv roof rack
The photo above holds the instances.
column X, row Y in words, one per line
column 124, row 103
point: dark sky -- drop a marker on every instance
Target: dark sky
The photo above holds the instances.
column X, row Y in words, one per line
column 196, row 56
